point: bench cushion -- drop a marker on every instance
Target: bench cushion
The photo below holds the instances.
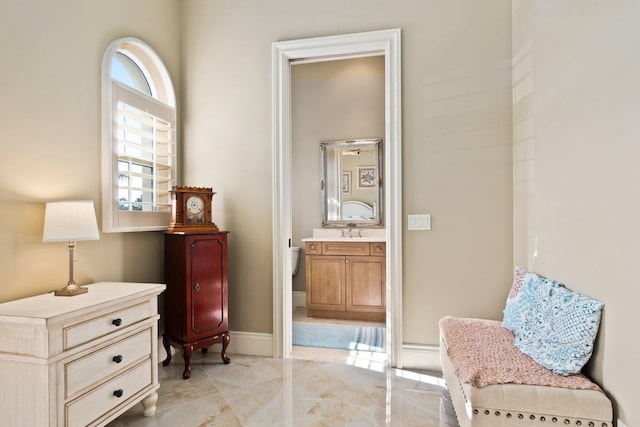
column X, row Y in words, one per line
column 503, row 394
column 483, row 353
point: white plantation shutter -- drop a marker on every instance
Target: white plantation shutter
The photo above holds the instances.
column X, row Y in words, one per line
column 143, row 160
column 144, row 140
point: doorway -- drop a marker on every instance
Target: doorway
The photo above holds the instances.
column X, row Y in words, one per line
column 387, row 44
column 341, row 99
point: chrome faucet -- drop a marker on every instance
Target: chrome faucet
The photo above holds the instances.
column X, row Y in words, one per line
column 350, row 228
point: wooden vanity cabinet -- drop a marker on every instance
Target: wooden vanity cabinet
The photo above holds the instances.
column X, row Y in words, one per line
column 346, row 280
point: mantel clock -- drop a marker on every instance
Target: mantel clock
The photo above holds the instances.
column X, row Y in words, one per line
column 191, row 209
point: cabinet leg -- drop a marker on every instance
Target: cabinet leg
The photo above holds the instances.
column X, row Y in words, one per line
column 149, row 404
column 225, row 343
column 186, row 355
column 167, row 347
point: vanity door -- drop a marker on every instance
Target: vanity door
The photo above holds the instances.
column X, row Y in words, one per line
column 325, row 282
column 365, row 284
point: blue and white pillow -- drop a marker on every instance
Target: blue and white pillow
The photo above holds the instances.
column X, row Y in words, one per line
column 560, row 330
column 524, row 292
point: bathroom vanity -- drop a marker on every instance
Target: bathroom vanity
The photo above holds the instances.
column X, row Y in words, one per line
column 345, row 260
column 346, row 278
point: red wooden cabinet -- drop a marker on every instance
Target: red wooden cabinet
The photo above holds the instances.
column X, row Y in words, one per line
column 196, row 298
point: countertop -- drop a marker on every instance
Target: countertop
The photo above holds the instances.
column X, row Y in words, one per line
column 343, row 239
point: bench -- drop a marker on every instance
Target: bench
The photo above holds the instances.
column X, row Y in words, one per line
column 493, row 383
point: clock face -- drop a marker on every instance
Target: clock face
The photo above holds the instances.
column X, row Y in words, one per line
column 195, row 209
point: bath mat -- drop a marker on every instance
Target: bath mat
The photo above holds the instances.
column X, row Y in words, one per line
column 341, row 337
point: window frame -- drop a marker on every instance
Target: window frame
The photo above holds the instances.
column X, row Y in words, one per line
column 115, row 220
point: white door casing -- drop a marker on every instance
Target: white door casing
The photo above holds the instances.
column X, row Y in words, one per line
column 384, row 42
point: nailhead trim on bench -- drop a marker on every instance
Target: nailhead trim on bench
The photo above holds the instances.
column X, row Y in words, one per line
column 542, row 418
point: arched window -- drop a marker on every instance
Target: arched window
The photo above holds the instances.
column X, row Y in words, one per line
column 139, row 147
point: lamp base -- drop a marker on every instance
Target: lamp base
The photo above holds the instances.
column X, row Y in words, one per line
column 70, row 290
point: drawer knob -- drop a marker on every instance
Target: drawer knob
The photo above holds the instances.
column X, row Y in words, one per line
column 118, row 393
column 196, row 287
column 313, row 247
column 117, row 321
column 117, row 358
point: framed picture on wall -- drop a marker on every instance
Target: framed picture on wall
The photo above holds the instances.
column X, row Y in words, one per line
column 366, row 177
column 345, row 184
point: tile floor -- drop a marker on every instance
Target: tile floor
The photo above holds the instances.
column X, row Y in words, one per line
column 265, row 391
column 314, row 387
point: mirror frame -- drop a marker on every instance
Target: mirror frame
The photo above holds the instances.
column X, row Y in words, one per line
column 378, row 202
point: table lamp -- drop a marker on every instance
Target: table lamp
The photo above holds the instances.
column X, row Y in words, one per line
column 70, row 221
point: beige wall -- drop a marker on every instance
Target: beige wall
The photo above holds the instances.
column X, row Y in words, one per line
column 457, row 160
column 576, row 163
column 329, row 101
column 50, row 137
column 576, row 99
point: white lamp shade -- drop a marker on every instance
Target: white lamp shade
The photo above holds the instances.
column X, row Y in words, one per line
column 70, row 221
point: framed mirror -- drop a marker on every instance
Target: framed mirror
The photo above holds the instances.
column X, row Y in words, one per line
column 351, row 183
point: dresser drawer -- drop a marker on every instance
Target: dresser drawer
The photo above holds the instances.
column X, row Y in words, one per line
column 85, row 372
column 87, row 409
column 97, row 327
column 345, row 248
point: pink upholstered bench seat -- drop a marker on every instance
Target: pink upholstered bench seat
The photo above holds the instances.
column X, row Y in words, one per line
column 493, row 384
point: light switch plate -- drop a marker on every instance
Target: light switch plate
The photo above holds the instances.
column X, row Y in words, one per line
column 420, row 222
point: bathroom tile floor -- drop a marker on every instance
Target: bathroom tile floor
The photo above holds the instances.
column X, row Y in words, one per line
column 300, row 315
column 361, row 358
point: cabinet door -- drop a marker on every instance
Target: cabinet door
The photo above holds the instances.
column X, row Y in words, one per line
column 365, row 284
column 325, row 282
column 207, row 286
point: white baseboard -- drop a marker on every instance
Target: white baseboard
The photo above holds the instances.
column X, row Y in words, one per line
column 252, row 343
column 299, row 299
column 414, row 356
column 421, row 356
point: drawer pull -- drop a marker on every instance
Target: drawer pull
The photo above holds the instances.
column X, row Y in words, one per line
column 118, row 393
column 117, row 358
column 117, row 321
column 196, row 287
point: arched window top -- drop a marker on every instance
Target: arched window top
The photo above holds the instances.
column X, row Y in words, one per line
column 134, row 63
column 126, row 71
column 139, row 145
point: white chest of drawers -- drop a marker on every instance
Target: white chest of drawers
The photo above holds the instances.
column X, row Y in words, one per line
column 82, row 360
